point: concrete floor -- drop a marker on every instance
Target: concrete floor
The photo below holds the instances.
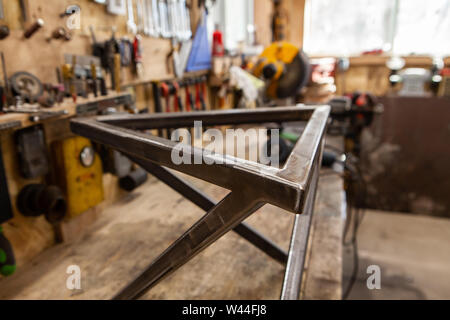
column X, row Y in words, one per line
column 413, row 254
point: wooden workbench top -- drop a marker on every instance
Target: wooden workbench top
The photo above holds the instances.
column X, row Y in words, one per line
column 68, row 105
column 132, row 232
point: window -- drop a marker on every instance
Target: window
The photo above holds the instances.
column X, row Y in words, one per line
column 423, row 27
column 235, row 20
column 350, row 27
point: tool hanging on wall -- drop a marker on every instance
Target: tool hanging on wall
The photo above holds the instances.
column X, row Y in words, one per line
column 2, row 98
column 94, row 79
column 70, row 10
column 186, row 32
column 200, row 103
column 126, row 52
column 7, row 96
column 165, row 92
column 279, row 21
column 79, row 73
column 157, row 101
column 175, row 91
column 2, row 12
column 68, row 75
column 173, row 19
column 112, row 49
column 131, row 25
column 189, row 104
column 137, row 57
column 203, row 81
column 117, row 7
column 117, row 64
column 156, row 19
column 200, row 55
column 24, row 10
column 98, row 49
column 7, row 260
column 140, row 16
column 29, row 32
column 4, row 32
column 99, row 79
column 157, row 97
column 60, row 34
column 151, row 27
column 164, row 19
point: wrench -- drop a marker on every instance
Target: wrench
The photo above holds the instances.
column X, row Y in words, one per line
column 163, row 16
column 180, row 19
column 2, row 14
column 144, row 17
column 156, row 17
column 151, row 25
column 186, row 20
column 140, row 16
column 131, row 25
column 172, row 20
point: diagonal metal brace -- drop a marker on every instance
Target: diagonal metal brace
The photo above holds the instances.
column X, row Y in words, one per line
column 251, row 184
column 219, row 220
column 204, row 202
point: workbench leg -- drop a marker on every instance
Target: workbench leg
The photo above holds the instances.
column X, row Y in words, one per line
column 203, row 201
column 227, row 214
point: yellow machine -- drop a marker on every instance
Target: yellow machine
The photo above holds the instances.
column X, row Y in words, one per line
column 79, row 170
column 284, row 67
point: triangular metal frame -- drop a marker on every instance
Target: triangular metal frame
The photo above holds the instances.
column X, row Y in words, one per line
column 251, row 184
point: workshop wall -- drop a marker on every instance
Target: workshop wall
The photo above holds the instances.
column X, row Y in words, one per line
column 30, row 236
column 370, row 73
column 40, row 57
column 294, row 10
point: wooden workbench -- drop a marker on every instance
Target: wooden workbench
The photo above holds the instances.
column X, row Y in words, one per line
column 133, row 231
column 31, row 235
column 67, row 105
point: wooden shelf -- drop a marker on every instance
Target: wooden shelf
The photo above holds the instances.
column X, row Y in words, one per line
column 68, row 105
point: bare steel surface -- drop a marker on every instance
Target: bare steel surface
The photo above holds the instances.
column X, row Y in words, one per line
column 297, row 250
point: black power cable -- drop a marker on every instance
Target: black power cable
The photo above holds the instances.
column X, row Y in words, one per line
column 357, row 201
column 355, row 215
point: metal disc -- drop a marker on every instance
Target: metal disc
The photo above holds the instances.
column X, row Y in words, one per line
column 26, row 85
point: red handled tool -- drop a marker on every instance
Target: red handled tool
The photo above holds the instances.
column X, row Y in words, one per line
column 165, row 92
column 203, row 96
column 189, row 98
column 177, row 101
column 199, row 96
